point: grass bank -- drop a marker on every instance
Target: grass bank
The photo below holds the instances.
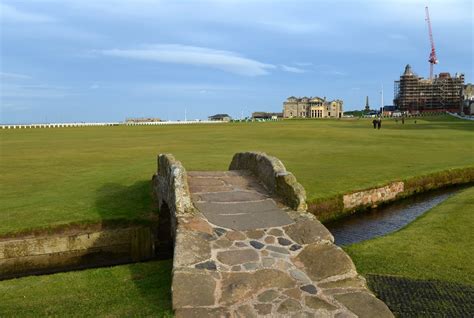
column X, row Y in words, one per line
column 331, row 209
column 439, row 245
column 137, row 290
column 53, row 177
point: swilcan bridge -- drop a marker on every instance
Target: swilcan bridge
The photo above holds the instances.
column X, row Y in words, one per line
column 244, row 245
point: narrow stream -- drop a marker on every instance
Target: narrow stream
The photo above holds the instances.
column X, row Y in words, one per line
column 388, row 218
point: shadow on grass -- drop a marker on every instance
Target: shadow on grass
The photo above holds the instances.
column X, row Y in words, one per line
column 153, row 281
column 134, row 204
column 117, row 201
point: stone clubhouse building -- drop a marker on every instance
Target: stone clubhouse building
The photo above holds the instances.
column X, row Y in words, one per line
column 312, row 107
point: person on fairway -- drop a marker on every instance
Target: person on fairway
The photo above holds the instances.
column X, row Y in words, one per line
column 379, row 123
column 374, row 122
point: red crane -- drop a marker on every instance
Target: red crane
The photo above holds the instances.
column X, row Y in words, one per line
column 433, row 59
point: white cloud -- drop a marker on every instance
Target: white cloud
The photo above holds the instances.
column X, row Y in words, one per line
column 396, row 36
column 191, row 88
column 291, row 27
column 303, row 63
column 330, row 70
column 69, row 33
column 292, row 69
column 16, row 86
column 14, row 76
column 335, row 73
column 14, row 15
column 196, row 56
column 11, row 107
column 413, row 11
column 14, row 91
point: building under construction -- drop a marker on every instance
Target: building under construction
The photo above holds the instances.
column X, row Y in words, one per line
column 417, row 95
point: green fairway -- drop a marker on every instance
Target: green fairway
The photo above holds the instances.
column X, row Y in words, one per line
column 57, row 176
column 436, row 246
column 439, row 245
column 137, row 290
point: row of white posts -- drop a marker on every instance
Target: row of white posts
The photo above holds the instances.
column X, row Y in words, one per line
column 57, row 125
column 173, row 122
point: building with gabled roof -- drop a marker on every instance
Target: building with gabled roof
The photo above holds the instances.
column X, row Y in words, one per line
column 312, row 107
column 220, row 117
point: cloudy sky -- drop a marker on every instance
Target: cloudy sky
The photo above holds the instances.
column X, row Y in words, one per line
column 105, row 60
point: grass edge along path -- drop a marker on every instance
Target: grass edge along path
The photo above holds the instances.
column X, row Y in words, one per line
column 438, row 245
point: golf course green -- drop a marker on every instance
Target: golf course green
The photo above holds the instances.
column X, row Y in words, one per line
column 54, row 177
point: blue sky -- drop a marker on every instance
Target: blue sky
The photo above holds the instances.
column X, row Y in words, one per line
column 105, row 60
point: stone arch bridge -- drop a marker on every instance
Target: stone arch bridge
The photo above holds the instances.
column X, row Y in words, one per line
column 243, row 245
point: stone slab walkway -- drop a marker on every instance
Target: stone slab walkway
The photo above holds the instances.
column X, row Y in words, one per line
column 235, row 199
column 244, row 254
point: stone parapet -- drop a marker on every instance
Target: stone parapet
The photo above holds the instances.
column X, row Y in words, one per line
column 275, row 177
column 171, row 191
column 171, row 185
column 373, row 196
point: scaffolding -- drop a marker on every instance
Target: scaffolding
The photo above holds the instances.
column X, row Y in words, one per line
column 416, row 94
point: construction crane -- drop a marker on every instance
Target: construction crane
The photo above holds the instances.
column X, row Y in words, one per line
column 433, row 59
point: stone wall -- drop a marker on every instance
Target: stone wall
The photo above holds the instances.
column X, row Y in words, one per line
column 438, row 180
column 373, row 196
column 59, row 252
column 170, row 187
column 332, row 208
column 171, row 190
column 273, row 174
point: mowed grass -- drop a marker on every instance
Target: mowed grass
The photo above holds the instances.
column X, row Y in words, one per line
column 439, row 245
column 53, row 177
column 135, row 290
